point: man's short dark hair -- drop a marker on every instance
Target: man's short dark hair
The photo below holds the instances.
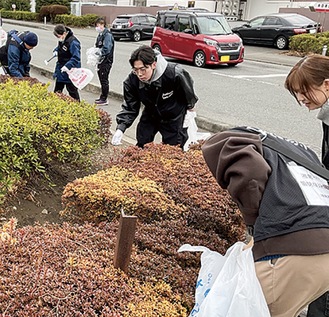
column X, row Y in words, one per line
column 100, row 21
column 59, row 29
column 145, row 54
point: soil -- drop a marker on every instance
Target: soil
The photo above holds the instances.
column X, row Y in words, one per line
column 39, row 201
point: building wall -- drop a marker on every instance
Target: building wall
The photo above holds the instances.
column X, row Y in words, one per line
column 110, row 12
column 251, row 8
column 322, row 18
column 206, row 4
column 261, row 7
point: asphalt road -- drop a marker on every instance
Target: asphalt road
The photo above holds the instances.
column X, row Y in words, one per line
column 251, row 93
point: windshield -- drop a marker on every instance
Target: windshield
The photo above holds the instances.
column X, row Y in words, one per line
column 215, row 25
column 121, row 20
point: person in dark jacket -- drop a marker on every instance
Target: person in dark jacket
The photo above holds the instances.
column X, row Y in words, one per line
column 19, row 56
column 166, row 91
column 69, row 56
column 105, row 42
column 286, row 206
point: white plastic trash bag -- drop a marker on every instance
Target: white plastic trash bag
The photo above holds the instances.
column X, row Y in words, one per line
column 227, row 286
column 80, row 77
column 93, row 56
column 192, row 128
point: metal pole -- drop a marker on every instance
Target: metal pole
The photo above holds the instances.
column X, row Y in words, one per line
column 324, row 50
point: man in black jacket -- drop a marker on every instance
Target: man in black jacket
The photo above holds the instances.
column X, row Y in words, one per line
column 166, row 91
column 105, row 42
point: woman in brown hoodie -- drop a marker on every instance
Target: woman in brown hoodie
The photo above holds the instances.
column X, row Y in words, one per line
column 286, row 205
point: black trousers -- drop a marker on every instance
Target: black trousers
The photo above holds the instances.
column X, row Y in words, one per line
column 72, row 90
column 172, row 131
column 319, row 307
column 103, row 73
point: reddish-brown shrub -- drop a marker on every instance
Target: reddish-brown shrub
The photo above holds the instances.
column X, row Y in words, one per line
column 210, row 217
column 67, row 270
column 50, row 11
column 156, row 257
column 186, row 178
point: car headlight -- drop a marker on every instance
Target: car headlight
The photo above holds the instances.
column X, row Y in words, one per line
column 210, row 42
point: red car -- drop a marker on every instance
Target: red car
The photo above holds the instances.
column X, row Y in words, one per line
column 203, row 38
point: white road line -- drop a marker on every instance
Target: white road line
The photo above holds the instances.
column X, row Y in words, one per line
column 261, row 76
column 250, row 76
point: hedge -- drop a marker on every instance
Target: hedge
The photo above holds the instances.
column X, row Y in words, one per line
column 309, row 43
column 38, row 128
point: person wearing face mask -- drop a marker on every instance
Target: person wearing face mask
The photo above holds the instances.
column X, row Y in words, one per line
column 105, row 42
column 19, row 56
column 166, row 91
column 308, row 82
column 68, row 54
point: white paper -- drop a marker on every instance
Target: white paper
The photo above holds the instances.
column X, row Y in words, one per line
column 315, row 188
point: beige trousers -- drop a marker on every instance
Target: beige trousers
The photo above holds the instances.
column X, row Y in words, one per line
column 292, row 282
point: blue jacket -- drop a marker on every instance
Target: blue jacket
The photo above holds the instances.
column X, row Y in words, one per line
column 19, row 58
column 69, row 55
column 105, row 42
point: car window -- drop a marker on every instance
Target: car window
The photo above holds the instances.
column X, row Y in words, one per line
column 213, row 25
column 169, row 22
column 136, row 19
column 142, row 20
column 183, row 24
column 120, row 20
column 298, row 20
column 257, row 22
column 272, row 21
column 151, row 20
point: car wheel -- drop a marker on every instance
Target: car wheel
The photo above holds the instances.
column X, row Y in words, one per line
column 157, row 48
column 116, row 38
column 137, row 36
column 199, row 59
column 281, row 42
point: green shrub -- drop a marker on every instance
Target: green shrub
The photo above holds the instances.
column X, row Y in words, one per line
column 19, row 15
column 78, row 21
column 38, row 127
column 21, row 5
column 309, row 43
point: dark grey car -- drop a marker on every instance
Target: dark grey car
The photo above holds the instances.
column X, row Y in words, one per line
column 276, row 29
column 133, row 26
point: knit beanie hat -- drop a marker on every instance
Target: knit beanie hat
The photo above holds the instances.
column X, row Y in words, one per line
column 31, row 39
